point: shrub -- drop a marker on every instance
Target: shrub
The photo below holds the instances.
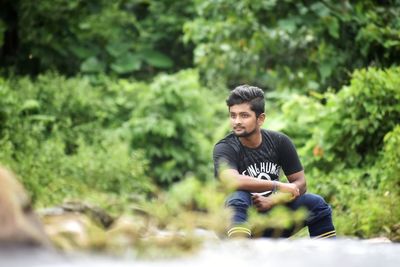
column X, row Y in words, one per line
column 65, row 137
column 348, row 130
column 364, row 199
column 360, row 115
column 173, row 123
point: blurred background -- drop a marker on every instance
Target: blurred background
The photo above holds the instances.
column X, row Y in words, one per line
column 114, row 101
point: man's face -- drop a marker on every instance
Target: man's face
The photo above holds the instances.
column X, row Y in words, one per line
column 243, row 120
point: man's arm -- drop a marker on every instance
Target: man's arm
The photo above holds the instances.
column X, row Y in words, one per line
column 247, row 183
column 298, row 179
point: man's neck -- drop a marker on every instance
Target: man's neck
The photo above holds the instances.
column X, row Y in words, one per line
column 253, row 140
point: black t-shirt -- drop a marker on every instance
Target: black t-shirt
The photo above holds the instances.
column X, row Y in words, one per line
column 275, row 152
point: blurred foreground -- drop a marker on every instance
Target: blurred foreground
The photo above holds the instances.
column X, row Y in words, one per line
column 167, row 232
column 266, row 252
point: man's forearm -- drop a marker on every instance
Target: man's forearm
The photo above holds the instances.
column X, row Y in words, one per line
column 251, row 184
column 254, row 185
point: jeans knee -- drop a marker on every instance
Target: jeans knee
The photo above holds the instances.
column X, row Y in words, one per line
column 317, row 207
column 239, row 199
column 310, row 201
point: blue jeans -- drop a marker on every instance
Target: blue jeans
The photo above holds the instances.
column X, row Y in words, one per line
column 319, row 220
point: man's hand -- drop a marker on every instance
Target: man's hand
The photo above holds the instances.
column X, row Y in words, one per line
column 265, row 203
column 262, row 203
column 289, row 188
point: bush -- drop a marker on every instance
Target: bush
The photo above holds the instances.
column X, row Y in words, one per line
column 65, row 137
column 364, row 198
column 173, row 123
column 118, row 37
column 348, row 130
column 308, row 45
column 360, row 115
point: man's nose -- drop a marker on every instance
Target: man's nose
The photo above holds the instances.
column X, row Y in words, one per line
column 237, row 120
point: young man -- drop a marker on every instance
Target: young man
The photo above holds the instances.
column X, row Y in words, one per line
column 253, row 158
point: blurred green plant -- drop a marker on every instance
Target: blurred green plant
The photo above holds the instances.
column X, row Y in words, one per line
column 117, row 37
column 364, row 198
column 344, row 129
column 173, row 122
column 303, row 46
column 65, row 137
column 60, row 133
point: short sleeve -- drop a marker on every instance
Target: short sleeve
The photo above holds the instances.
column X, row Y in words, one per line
column 224, row 154
column 288, row 157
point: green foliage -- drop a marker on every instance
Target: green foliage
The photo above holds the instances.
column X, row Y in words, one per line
column 64, row 137
column 80, row 129
column 290, row 44
column 173, row 123
column 118, row 37
column 389, row 182
column 363, row 199
column 348, row 130
column 296, row 115
column 280, row 45
column 389, row 161
column 360, row 115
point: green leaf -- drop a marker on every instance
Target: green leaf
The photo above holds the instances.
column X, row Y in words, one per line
column 30, row 104
column 118, row 49
column 126, row 63
column 333, row 27
column 287, row 24
column 156, row 59
column 321, row 9
column 325, row 69
column 81, row 51
column 92, row 64
column 391, row 43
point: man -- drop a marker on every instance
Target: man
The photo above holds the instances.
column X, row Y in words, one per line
column 253, row 158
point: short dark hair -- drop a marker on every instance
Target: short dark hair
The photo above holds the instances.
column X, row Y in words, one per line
column 247, row 94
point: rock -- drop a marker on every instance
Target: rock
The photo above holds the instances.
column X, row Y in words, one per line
column 74, row 231
column 96, row 214
column 18, row 223
column 124, row 234
column 75, row 225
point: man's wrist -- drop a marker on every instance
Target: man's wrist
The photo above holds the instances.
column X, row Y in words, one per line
column 275, row 187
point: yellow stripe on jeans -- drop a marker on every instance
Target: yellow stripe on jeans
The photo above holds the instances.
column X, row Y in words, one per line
column 327, row 234
column 239, row 230
column 331, row 235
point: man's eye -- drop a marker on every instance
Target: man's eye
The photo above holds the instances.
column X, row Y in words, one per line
column 233, row 116
column 245, row 115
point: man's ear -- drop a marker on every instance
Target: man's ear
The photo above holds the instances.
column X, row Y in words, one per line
column 261, row 119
